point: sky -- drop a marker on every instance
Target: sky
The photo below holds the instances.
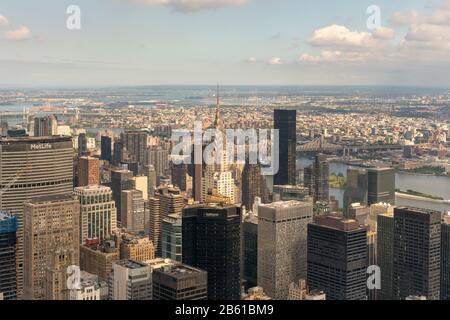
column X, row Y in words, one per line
column 234, row 42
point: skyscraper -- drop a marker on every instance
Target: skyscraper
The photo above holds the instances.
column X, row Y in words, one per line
column 118, row 177
column 52, row 243
column 337, row 258
column 131, row 280
column 88, row 171
column 417, row 250
column 8, row 239
column 172, row 237
column 445, row 258
column 211, row 241
column 135, row 143
column 381, row 185
column 106, row 148
column 179, row 174
column 158, row 157
column 253, row 185
column 134, row 218
column 82, row 145
column 45, row 126
column 32, row 167
column 286, row 123
column 118, row 152
column 357, row 188
column 250, row 251
column 282, row 257
column 321, row 176
column 150, row 173
column 98, row 213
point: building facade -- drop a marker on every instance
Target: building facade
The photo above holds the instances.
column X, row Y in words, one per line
column 285, row 121
column 8, row 240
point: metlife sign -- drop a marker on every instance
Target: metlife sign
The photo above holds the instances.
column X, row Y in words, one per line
column 41, row 146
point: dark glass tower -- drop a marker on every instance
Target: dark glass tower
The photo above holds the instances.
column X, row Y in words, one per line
column 286, row 123
column 8, row 281
column 211, row 241
column 381, row 185
column 250, row 251
column 356, row 189
column 445, row 259
column 385, row 253
column 82, row 145
column 106, row 149
column 417, row 250
column 337, row 258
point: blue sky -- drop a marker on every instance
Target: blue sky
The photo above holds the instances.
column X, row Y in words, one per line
column 147, row 42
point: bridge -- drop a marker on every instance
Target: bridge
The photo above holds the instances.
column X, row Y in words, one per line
column 320, row 145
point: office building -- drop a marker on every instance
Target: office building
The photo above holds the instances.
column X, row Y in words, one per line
column 211, row 242
column 417, row 253
column 45, row 126
column 282, row 256
column 97, row 257
column 150, row 173
column 173, row 280
column 445, row 258
column 135, row 143
column 158, row 157
column 82, row 145
column 32, row 167
column 381, row 185
column 51, row 244
column 253, row 185
column 356, row 190
column 130, row 280
column 299, row 291
column 358, row 212
column 179, row 175
column 8, row 240
column 255, row 293
column 285, row 121
column 172, row 237
column 118, row 152
column 337, row 258
column 134, row 218
column 88, row 171
column 288, row 192
column 317, row 178
column 118, row 177
column 136, row 248
column 98, row 213
column 106, row 149
column 385, row 253
column 250, row 250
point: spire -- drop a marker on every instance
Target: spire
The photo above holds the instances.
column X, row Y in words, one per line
column 216, row 121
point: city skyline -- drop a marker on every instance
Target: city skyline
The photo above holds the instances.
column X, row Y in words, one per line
column 149, row 42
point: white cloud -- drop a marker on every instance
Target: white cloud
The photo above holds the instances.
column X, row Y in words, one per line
column 251, row 60
column 191, row 5
column 340, row 36
column 21, row 33
column 334, row 56
column 404, row 18
column 3, row 21
column 276, row 61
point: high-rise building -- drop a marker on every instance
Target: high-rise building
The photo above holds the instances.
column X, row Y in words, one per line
column 179, row 176
column 136, row 248
column 356, row 189
column 158, row 157
column 250, row 250
column 337, row 258
column 8, row 240
column 253, row 185
column 134, row 218
column 168, row 200
column 211, row 241
column 82, row 145
column 173, row 280
column 282, row 235
column 135, row 143
column 358, row 212
column 130, row 280
column 299, row 291
column 445, row 258
column 106, row 149
column 385, row 253
column 285, row 121
column 381, row 185
column 88, row 171
column 417, row 252
column 32, row 167
column 118, row 152
column 150, row 173
column 52, row 243
column 45, row 126
column 172, row 237
column 97, row 258
column 288, row 192
column 118, row 177
column 98, row 213
column 139, row 183
column 317, row 179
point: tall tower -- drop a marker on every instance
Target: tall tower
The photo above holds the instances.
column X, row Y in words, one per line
column 8, row 239
column 286, row 123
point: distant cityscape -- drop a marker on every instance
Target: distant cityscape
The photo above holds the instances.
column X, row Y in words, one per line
column 95, row 204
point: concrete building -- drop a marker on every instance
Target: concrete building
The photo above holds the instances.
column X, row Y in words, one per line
column 135, row 143
column 136, row 248
column 173, row 280
column 45, row 126
column 256, row 293
column 299, row 291
column 358, row 212
column 8, row 240
column 118, row 177
column 88, row 171
column 91, row 288
column 130, row 280
column 34, row 167
column 282, row 245
column 134, row 218
column 98, row 213
column 253, row 185
column 97, row 258
column 52, row 243
column 445, row 258
column 337, row 258
column 291, row 192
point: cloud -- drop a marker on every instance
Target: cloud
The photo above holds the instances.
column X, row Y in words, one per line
column 22, row 33
column 251, row 60
column 276, row 61
column 341, row 36
column 191, row 5
column 3, row 21
column 334, row 56
column 404, row 18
